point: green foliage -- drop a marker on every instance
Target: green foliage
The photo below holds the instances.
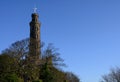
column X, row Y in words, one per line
column 16, row 66
column 32, row 71
column 65, row 81
column 45, row 74
column 20, row 80
column 12, row 78
column 51, row 74
column 7, row 65
column 38, row 81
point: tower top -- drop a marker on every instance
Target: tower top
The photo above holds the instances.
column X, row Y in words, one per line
column 35, row 17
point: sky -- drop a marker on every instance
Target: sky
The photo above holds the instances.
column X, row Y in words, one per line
column 87, row 32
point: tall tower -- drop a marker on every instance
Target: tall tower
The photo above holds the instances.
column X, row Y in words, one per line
column 34, row 47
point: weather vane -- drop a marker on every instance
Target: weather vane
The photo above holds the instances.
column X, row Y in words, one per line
column 35, row 10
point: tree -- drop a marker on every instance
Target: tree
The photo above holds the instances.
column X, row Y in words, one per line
column 51, row 60
column 8, row 69
column 17, row 64
column 18, row 49
column 51, row 56
column 113, row 76
column 71, row 77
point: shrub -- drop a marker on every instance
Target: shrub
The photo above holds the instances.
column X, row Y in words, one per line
column 37, row 81
column 12, row 78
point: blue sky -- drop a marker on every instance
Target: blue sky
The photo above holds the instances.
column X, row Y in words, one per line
column 87, row 32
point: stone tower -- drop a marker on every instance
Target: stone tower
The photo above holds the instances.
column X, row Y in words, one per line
column 34, row 47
